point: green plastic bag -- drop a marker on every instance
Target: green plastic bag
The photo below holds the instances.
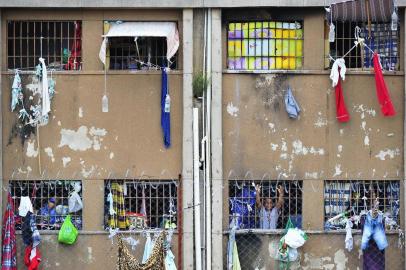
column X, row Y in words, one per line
column 68, row 232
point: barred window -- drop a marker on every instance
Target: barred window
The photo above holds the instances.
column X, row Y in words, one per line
column 379, row 37
column 127, row 54
column 50, row 201
column 272, row 210
column 58, row 42
column 264, row 45
column 354, row 197
column 141, row 204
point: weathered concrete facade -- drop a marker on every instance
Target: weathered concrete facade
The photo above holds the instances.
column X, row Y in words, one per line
column 248, row 139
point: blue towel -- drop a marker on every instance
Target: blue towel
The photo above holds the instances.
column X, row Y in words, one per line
column 292, row 108
column 165, row 116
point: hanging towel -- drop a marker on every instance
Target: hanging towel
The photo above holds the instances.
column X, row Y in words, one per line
column 349, row 241
column 170, row 260
column 165, row 112
column 9, row 247
column 25, row 206
column 119, row 219
column 149, row 245
column 46, row 102
column 230, row 248
column 381, row 90
column 341, row 110
column 292, row 108
column 236, row 259
column 16, row 91
column 338, row 69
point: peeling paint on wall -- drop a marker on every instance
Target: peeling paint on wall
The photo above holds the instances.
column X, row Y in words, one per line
column 232, row 110
column 300, row 149
column 80, row 112
column 388, row 153
column 31, row 152
column 65, row 161
column 338, row 170
column 111, row 155
column 320, row 122
column 80, row 141
column 340, row 260
column 50, row 154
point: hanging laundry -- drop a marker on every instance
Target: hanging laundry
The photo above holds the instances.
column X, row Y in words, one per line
column 337, row 73
column 292, row 108
column 381, row 90
column 32, row 257
column 25, row 206
column 118, row 220
column 372, row 257
column 75, row 202
column 149, row 245
column 9, row 246
column 165, row 110
column 46, row 102
column 51, row 87
column 76, row 48
column 230, row 245
column 349, row 241
column 126, row 261
column 16, row 91
column 236, row 259
column 342, row 114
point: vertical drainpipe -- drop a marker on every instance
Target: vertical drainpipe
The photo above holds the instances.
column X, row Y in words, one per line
column 196, row 189
column 216, row 141
column 404, row 131
column 208, row 180
column 187, row 140
column 1, row 122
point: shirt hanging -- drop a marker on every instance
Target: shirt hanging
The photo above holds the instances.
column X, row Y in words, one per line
column 165, row 110
column 9, row 246
column 381, row 90
column 292, row 108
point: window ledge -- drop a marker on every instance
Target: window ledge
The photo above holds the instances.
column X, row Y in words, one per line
column 310, row 71
column 100, row 72
column 314, row 232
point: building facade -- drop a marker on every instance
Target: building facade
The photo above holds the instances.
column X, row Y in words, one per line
column 253, row 53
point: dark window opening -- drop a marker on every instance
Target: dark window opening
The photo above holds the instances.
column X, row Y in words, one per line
column 58, row 42
column 49, row 199
column 125, row 53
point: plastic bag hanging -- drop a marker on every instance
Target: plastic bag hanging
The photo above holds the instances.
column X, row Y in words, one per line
column 395, row 20
column 75, row 202
column 105, row 104
column 332, row 33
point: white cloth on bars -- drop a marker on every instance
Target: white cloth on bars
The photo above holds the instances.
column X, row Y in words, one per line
column 335, row 74
column 46, row 101
column 75, row 202
column 349, row 241
column 25, row 206
column 168, row 30
column 149, row 246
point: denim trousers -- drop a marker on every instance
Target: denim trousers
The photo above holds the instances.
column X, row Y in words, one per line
column 373, row 228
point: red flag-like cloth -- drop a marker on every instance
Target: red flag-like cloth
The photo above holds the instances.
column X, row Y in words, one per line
column 381, row 90
column 9, row 248
column 342, row 113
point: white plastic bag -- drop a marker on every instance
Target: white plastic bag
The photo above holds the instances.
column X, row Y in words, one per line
column 295, row 238
column 75, row 202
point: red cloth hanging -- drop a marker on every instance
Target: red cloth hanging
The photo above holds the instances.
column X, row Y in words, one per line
column 342, row 113
column 9, row 246
column 76, row 49
column 381, row 90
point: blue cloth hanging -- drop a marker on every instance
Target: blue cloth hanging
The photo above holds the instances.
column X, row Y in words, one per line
column 165, row 110
column 292, row 108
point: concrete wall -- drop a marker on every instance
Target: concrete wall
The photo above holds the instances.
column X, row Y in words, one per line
column 126, row 142
column 261, row 142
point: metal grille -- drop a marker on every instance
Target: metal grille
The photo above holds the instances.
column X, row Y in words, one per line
column 265, row 45
column 58, row 42
column 244, row 208
column 40, row 193
column 357, row 197
column 147, row 204
column 144, row 54
column 381, row 39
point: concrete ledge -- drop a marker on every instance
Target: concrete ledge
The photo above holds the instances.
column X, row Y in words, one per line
column 164, row 4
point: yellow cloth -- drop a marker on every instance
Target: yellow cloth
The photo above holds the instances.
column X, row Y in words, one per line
column 236, row 259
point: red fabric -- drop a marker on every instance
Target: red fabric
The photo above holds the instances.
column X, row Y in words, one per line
column 381, row 90
column 32, row 264
column 76, row 49
column 342, row 113
column 9, row 246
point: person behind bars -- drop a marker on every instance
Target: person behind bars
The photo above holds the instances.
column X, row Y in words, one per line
column 268, row 213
